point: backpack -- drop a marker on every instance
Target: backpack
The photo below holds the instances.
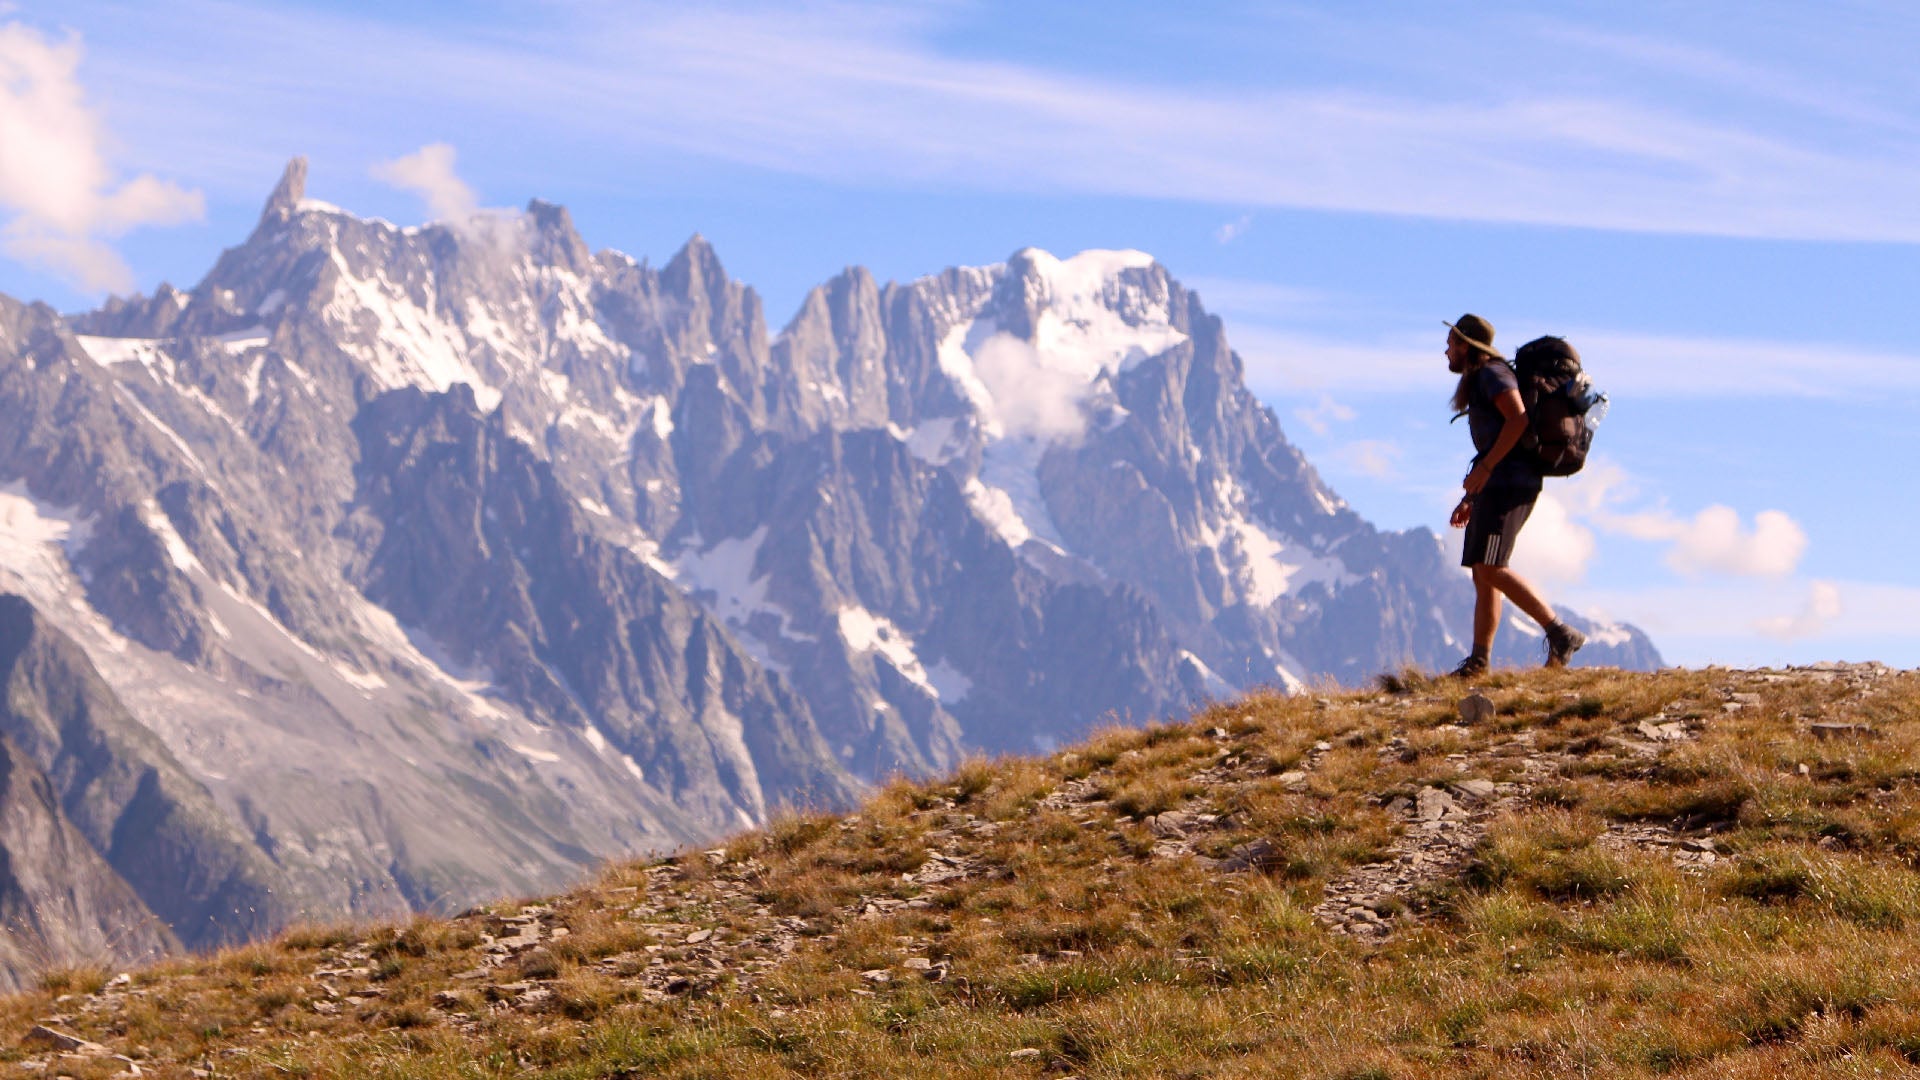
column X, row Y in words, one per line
column 1563, row 408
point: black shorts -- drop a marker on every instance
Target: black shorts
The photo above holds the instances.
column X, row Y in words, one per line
column 1498, row 513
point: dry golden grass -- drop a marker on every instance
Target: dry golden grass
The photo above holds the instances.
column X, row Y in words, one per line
column 1065, row 940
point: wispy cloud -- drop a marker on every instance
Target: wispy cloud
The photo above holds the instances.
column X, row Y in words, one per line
column 1265, row 301
column 1690, row 366
column 865, row 94
column 1282, row 362
column 1233, row 230
column 1320, row 417
column 1377, row 459
column 1822, row 607
column 1793, row 620
column 1643, row 365
column 1828, row 93
column 56, row 184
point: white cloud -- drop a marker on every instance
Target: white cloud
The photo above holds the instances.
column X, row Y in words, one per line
column 428, row 172
column 1030, row 397
column 55, row 181
column 1713, row 540
column 1822, row 607
column 1553, row 548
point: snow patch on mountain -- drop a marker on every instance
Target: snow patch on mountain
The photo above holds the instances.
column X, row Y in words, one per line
column 1605, row 632
column 726, row 569
column 109, row 351
column 727, row 572
column 649, row 551
column 178, row 552
column 38, row 538
column 1524, row 625
column 417, row 649
column 401, row 342
column 1268, row 566
column 866, row 632
column 488, row 332
column 1213, row 685
column 1265, row 563
column 1093, row 320
column 660, row 418
column 996, row 508
column 606, row 750
column 576, row 323
column 1090, row 323
column 1010, row 473
column 239, row 342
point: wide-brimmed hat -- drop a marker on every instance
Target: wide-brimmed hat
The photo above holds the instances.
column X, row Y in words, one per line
column 1476, row 332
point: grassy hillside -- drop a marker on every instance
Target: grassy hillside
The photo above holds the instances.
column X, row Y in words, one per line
column 1705, row 873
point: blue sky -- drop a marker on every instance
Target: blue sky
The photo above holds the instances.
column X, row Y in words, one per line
column 1715, row 201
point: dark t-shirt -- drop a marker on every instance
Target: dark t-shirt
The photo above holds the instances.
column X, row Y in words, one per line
column 1492, row 379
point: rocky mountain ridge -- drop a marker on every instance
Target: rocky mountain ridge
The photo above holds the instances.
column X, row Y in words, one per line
column 442, row 562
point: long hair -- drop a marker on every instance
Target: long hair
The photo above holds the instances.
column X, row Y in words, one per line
column 1462, row 390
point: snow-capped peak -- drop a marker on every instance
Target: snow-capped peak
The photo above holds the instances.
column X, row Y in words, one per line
column 1081, row 278
column 1030, row 360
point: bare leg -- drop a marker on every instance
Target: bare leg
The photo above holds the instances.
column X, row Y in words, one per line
column 1517, row 590
column 1486, row 610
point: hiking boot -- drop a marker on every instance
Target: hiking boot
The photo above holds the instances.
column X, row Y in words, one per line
column 1562, row 644
column 1472, row 667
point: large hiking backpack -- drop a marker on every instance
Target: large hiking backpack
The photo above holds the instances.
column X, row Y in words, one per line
column 1563, row 408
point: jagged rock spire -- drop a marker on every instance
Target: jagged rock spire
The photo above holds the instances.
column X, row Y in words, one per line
column 288, row 193
column 555, row 240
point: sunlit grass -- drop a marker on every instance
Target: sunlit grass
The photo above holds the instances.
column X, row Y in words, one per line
column 1072, row 943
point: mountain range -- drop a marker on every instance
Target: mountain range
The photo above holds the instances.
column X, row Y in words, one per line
column 392, row 569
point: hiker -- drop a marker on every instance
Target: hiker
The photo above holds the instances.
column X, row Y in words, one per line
column 1500, row 492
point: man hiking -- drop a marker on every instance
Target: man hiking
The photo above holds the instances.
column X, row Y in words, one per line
column 1500, row 493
